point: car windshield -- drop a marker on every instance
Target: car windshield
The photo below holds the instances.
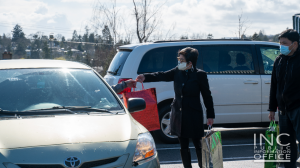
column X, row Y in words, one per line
column 30, row 89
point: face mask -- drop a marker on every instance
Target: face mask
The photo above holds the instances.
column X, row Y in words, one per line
column 182, row 66
column 285, row 49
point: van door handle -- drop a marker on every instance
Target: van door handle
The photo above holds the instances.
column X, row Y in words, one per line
column 268, row 82
column 250, row 82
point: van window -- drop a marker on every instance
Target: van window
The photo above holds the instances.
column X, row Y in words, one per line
column 269, row 54
column 227, row 59
column 159, row 59
column 117, row 63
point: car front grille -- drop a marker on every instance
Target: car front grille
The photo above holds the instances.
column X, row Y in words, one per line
column 98, row 163
column 83, row 165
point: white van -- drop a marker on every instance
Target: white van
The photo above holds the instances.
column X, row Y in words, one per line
column 239, row 73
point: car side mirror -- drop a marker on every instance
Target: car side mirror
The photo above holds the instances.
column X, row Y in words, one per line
column 136, row 104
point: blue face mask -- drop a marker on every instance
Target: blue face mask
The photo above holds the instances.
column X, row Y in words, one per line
column 285, row 49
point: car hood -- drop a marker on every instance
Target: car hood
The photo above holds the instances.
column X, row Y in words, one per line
column 68, row 129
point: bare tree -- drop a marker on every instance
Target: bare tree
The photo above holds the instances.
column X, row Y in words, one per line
column 198, row 36
column 107, row 15
column 164, row 35
column 243, row 26
column 147, row 18
column 58, row 37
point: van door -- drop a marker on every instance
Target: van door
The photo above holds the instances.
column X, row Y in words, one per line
column 267, row 55
column 234, row 82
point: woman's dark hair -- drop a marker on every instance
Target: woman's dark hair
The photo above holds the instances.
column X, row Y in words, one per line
column 190, row 54
column 290, row 34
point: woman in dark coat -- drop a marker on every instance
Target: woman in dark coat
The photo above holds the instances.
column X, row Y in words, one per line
column 187, row 114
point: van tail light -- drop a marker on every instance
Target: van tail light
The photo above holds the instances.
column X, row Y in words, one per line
column 127, row 89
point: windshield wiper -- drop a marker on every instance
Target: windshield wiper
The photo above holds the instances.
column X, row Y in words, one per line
column 111, row 72
column 37, row 112
column 55, row 110
column 82, row 108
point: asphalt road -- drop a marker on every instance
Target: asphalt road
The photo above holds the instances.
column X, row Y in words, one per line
column 238, row 149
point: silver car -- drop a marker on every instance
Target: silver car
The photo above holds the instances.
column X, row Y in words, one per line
column 62, row 114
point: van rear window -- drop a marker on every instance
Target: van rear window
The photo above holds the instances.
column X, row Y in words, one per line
column 118, row 62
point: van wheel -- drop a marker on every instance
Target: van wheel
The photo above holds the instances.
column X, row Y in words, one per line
column 165, row 129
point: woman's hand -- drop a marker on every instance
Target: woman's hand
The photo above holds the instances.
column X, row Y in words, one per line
column 272, row 116
column 140, row 78
column 210, row 121
column 131, row 83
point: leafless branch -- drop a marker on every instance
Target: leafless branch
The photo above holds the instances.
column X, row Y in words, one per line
column 147, row 17
column 243, row 25
column 107, row 15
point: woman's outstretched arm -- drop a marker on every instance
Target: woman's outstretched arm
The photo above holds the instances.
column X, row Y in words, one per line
column 157, row 76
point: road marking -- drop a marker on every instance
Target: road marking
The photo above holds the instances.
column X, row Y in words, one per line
column 222, row 146
column 231, row 158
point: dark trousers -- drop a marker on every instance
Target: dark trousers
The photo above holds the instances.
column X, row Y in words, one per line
column 290, row 124
column 184, row 143
column 185, row 151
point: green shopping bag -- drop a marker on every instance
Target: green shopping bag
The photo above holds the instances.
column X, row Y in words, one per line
column 271, row 149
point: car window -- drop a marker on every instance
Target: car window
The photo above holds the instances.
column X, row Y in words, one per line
column 29, row 89
column 159, row 59
column 116, row 65
column 269, row 54
column 227, row 59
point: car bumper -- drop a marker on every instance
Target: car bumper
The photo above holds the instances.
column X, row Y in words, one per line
column 151, row 163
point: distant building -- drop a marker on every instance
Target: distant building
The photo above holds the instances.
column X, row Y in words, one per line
column 296, row 22
column 28, row 53
column 7, row 55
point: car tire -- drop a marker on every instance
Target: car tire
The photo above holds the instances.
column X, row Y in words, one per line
column 164, row 119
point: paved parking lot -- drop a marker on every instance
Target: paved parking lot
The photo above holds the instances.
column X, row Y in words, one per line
column 238, row 149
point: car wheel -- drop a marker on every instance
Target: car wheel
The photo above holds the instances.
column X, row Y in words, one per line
column 164, row 134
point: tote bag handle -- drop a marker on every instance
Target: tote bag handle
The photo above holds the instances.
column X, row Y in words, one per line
column 142, row 87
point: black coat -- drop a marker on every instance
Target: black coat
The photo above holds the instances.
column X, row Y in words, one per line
column 285, row 82
column 187, row 114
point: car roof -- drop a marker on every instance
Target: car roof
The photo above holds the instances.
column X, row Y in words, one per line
column 196, row 42
column 40, row 63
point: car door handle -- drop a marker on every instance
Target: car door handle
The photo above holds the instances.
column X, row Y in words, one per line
column 268, row 82
column 250, row 82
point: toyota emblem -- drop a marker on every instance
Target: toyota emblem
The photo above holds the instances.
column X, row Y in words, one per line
column 72, row 162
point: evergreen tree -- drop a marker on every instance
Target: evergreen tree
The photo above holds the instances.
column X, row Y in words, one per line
column 184, row 37
column 92, row 38
column 17, row 33
column 79, row 47
column 69, row 53
column 210, row 36
column 46, row 50
column 18, row 37
column 85, row 37
column 243, row 37
column 256, row 37
column 4, row 36
column 63, row 39
column 8, row 47
column 80, row 38
column 75, row 36
column 87, row 59
column 62, row 44
column 21, row 47
column 106, row 36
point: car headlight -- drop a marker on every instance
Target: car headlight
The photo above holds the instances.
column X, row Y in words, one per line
column 145, row 148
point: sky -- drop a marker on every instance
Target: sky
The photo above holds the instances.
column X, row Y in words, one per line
column 218, row 17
